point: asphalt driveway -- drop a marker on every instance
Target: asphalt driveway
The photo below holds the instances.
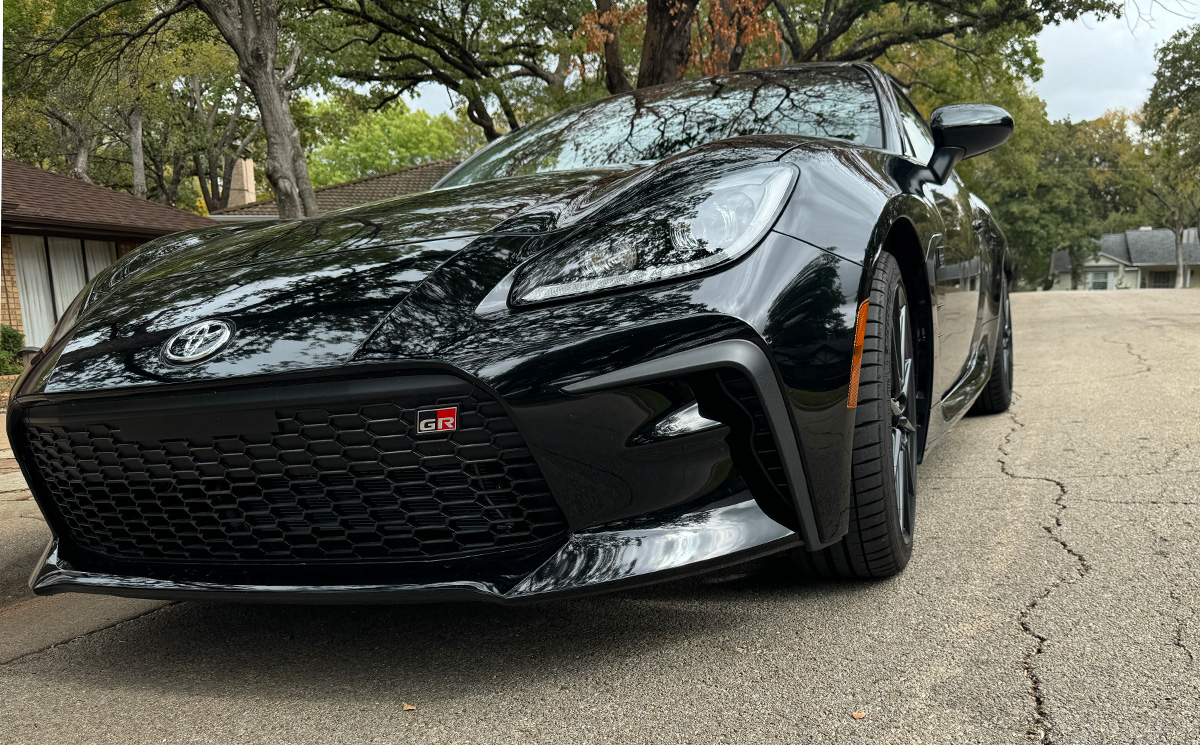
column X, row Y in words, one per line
column 1053, row 597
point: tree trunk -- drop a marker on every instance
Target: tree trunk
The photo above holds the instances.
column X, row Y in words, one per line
column 308, row 196
column 614, row 67
column 791, row 37
column 1180, row 267
column 278, row 126
column 509, row 114
column 202, row 179
column 667, row 42
column 252, row 30
column 478, row 114
column 137, row 155
column 79, row 163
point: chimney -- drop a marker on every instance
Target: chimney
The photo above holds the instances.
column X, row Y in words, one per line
column 242, row 189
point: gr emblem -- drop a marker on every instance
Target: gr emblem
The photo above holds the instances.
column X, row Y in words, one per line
column 437, row 420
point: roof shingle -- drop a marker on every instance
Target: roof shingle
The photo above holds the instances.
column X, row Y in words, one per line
column 37, row 199
column 396, row 183
column 1115, row 245
column 1150, row 247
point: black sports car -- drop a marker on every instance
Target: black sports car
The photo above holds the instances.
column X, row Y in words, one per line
column 654, row 334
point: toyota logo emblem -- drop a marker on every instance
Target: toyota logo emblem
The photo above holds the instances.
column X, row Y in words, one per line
column 198, row 341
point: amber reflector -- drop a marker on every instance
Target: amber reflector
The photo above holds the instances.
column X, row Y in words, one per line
column 860, row 332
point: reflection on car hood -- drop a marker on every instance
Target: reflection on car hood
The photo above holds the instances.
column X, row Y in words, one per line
column 308, row 294
column 449, row 213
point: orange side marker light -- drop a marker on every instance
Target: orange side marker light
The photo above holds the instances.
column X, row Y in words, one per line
column 860, row 332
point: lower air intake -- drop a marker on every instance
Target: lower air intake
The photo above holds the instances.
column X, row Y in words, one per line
column 292, row 476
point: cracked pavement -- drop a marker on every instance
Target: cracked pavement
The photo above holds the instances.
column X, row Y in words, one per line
column 1052, row 598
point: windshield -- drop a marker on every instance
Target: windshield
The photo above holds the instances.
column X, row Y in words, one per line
column 656, row 123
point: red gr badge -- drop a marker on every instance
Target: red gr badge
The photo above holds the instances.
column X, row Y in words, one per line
column 437, row 420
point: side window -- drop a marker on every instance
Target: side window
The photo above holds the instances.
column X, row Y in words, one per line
column 915, row 128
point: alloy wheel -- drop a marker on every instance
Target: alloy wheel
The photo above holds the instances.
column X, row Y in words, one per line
column 903, row 403
column 1007, row 338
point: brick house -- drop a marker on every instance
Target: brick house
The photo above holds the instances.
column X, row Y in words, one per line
column 57, row 232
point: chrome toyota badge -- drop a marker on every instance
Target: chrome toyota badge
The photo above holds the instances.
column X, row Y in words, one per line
column 197, row 341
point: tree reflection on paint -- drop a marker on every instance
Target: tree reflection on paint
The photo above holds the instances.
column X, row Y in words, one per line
column 656, row 123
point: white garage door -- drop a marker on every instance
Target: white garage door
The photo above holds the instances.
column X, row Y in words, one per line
column 50, row 273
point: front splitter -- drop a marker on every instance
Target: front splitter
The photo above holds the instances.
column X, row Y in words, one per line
column 590, row 561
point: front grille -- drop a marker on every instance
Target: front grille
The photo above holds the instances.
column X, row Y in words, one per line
column 343, row 481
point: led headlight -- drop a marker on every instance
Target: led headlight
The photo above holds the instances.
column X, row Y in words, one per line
column 687, row 231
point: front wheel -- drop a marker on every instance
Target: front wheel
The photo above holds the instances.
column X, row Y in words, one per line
column 884, row 470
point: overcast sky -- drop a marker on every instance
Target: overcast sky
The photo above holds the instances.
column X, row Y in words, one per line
column 1092, row 66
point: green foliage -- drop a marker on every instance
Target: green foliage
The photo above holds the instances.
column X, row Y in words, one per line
column 11, row 343
column 353, row 144
column 508, row 61
column 1053, row 185
column 1172, row 112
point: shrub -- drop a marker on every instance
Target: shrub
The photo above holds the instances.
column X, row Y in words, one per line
column 11, row 342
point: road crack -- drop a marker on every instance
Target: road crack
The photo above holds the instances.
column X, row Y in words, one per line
column 1135, row 502
column 1040, row 729
column 1181, row 625
column 1145, row 364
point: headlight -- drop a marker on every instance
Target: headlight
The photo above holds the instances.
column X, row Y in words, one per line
column 688, row 230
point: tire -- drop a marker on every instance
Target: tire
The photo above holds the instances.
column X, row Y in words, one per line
column 997, row 394
column 883, row 503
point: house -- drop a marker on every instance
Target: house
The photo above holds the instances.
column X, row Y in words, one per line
column 395, row 183
column 57, row 233
column 1142, row 258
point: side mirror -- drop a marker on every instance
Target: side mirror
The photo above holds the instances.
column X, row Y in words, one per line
column 964, row 130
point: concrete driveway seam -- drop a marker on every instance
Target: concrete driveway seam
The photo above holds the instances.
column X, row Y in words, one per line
column 80, row 637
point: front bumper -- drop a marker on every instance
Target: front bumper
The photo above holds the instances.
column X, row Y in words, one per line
column 642, row 552
column 678, row 506
column 634, row 511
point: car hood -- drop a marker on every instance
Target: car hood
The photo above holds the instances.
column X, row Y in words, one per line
column 307, row 294
column 428, row 216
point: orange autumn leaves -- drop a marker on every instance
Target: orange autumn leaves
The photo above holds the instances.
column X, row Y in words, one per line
column 731, row 29
column 725, row 32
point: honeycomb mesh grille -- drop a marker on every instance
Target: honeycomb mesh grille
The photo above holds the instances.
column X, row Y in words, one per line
column 333, row 482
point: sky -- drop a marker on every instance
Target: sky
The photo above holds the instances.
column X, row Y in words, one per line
column 1092, row 66
column 431, row 97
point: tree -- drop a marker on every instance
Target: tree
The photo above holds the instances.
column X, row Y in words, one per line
column 252, row 29
column 62, row 89
column 481, row 50
column 1173, row 193
column 1052, row 185
column 849, row 30
column 1172, row 120
column 376, row 142
column 156, row 108
column 668, row 40
column 103, row 35
column 605, row 30
column 733, row 27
